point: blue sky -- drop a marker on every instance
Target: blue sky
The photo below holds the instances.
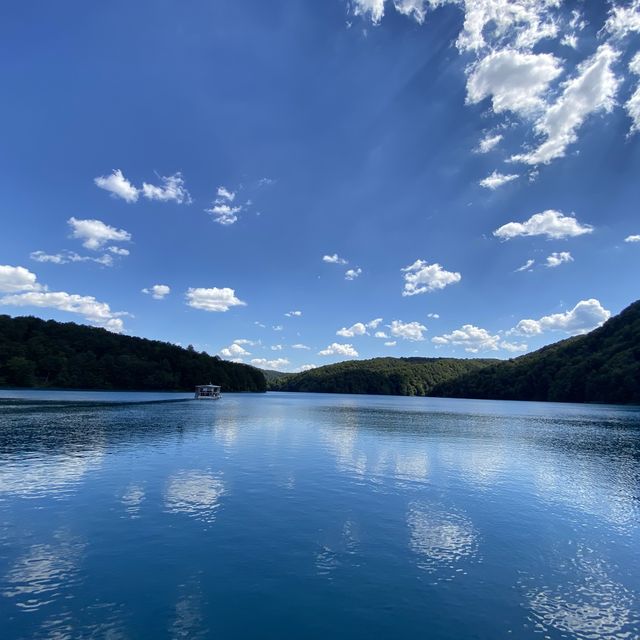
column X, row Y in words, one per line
column 386, row 170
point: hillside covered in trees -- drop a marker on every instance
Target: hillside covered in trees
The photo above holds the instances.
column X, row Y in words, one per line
column 39, row 353
column 385, row 376
column 601, row 366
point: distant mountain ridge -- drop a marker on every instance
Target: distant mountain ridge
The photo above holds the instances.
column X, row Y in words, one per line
column 46, row 353
column 602, row 366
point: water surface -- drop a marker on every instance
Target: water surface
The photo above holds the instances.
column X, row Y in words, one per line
column 317, row 516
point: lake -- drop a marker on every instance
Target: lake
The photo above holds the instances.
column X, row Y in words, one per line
column 316, row 516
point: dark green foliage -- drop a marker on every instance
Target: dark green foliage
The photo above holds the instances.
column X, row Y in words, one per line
column 602, row 366
column 38, row 353
column 272, row 375
column 385, row 376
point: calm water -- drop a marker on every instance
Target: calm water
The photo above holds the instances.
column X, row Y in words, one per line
column 317, row 516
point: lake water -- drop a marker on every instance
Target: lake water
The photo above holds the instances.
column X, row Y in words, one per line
column 317, row 516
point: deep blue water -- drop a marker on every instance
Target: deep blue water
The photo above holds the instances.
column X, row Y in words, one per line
column 317, row 516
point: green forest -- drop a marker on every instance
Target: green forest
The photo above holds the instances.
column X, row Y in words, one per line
column 385, row 376
column 601, row 366
column 39, row 353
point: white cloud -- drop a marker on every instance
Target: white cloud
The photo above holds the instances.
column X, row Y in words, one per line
column 158, row 291
column 172, row 189
column 118, row 186
column 251, row 343
column 94, row 311
column 358, row 329
column 373, row 8
column 334, row 259
column 495, row 180
column 213, row 299
column 95, row 233
column 306, row 367
column 352, row 274
column 278, row 363
column 380, row 334
column 526, row 266
column 558, row 258
column 488, row 143
column 226, row 194
column 474, row 339
column 336, row 349
column 390, row 343
column 550, row 223
column 222, row 210
column 632, row 105
column 276, row 347
column 407, row 330
column 632, row 238
column 277, row 327
column 421, row 277
column 435, row 316
column 293, row 314
column 234, row 350
column 592, row 89
column 585, row 316
column 623, row 19
column 66, row 257
column 515, row 81
column 16, row 279
column 300, row 346
column 118, row 251
column 224, row 214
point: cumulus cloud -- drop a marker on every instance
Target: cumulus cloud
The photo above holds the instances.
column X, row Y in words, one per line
column 434, row 316
column 558, row 258
column 334, row 259
column 632, row 105
column 623, row 19
column 172, row 189
column 585, row 316
column 407, row 330
column 293, row 314
column 118, row 251
column 95, row 233
column 66, row 257
column 495, row 180
column 336, row 349
column 16, row 279
column 526, row 266
column 635, row 238
column 158, row 291
column 550, row 223
column 591, row 90
column 422, row 277
column 222, row 210
column 514, row 81
column 359, row 328
column 305, row 367
column 474, row 339
column 99, row 313
column 213, row 299
column 118, row 186
column 380, row 334
column 488, row 143
column 352, row 274
column 264, row 363
column 234, row 350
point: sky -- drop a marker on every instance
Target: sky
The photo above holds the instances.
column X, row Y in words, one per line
column 294, row 183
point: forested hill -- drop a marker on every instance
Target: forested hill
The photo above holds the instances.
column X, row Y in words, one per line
column 601, row 366
column 386, row 376
column 39, row 353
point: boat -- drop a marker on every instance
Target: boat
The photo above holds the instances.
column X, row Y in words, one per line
column 208, row 392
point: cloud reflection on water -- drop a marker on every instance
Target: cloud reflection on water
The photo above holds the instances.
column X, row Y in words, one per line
column 196, row 493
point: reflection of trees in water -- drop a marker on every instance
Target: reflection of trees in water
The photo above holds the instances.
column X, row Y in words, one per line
column 442, row 539
column 196, row 493
column 584, row 601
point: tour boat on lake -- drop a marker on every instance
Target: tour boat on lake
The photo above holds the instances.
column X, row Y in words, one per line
column 208, row 392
